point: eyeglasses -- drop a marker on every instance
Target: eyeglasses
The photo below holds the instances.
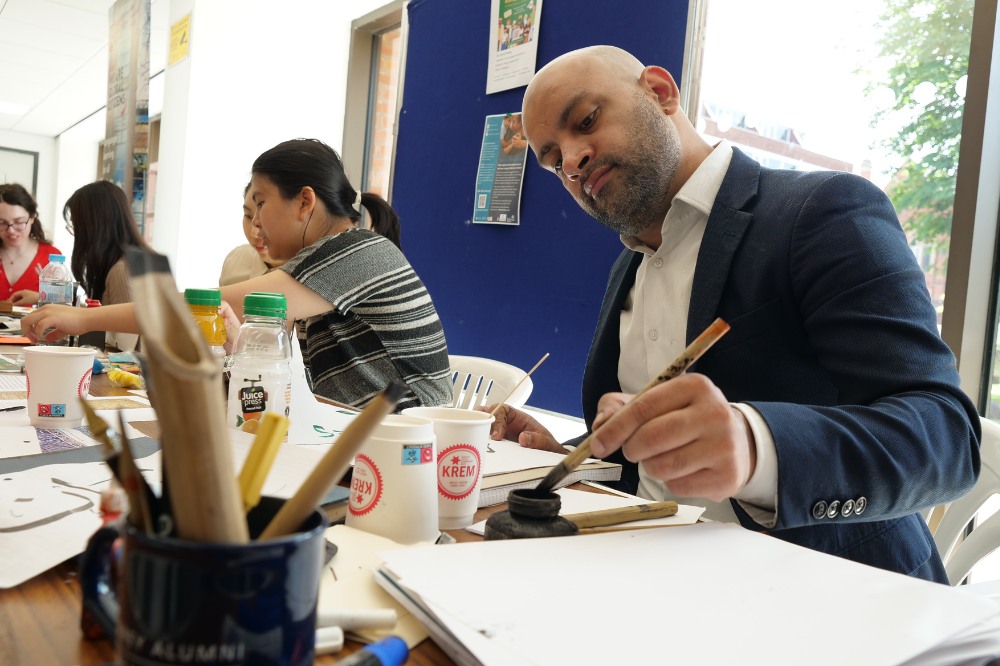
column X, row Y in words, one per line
column 17, row 224
column 69, row 226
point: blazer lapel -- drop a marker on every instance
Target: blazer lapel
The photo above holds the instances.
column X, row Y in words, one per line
column 726, row 226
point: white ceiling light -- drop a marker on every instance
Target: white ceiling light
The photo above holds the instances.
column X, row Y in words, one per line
column 13, row 108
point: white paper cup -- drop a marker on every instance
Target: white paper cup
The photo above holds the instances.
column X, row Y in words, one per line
column 57, row 378
column 394, row 482
column 462, row 438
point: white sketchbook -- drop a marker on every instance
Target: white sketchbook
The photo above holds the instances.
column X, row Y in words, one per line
column 710, row 593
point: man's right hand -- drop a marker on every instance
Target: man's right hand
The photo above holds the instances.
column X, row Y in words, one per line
column 516, row 426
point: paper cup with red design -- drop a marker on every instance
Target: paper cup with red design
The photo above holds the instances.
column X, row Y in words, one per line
column 394, row 482
column 57, row 378
column 462, row 436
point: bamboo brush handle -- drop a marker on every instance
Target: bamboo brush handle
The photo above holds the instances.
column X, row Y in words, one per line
column 625, row 514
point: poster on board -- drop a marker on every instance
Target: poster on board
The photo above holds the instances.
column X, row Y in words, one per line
column 501, row 171
column 513, row 43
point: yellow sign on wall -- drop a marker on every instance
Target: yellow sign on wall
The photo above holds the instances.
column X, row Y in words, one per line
column 180, row 40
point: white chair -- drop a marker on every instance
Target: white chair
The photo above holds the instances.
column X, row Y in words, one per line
column 481, row 381
column 960, row 556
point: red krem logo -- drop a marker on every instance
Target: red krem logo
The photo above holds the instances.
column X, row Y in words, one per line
column 83, row 388
column 366, row 486
column 458, row 471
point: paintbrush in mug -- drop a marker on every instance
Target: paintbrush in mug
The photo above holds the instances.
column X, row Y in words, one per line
column 701, row 344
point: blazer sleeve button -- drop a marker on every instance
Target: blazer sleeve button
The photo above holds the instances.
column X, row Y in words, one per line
column 819, row 510
column 860, row 505
column 833, row 509
column 847, row 508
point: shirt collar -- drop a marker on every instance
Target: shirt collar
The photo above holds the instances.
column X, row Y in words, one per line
column 700, row 190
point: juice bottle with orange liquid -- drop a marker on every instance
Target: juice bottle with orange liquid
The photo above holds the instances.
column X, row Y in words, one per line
column 204, row 305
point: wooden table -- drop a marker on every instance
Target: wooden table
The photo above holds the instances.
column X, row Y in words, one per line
column 40, row 619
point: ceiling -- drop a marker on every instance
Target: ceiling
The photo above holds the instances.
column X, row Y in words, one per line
column 54, row 61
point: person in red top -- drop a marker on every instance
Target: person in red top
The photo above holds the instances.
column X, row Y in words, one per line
column 24, row 250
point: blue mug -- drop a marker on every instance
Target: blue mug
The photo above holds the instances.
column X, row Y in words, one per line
column 167, row 601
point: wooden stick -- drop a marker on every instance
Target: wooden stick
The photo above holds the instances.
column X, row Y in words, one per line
column 511, row 392
column 186, row 392
column 625, row 514
column 708, row 337
column 333, row 464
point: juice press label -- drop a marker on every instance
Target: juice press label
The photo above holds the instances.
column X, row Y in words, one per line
column 458, row 471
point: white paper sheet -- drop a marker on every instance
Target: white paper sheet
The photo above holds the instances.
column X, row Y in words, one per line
column 510, row 456
column 651, row 591
column 312, row 422
column 348, row 583
column 46, row 516
column 18, row 441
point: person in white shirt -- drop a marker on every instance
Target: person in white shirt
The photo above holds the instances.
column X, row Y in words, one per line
column 831, row 413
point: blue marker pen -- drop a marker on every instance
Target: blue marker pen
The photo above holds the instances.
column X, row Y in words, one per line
column 390, row 651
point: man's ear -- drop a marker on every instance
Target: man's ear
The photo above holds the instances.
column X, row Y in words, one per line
column 660, row 83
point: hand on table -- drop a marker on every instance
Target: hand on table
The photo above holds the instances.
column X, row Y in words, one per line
column 514, row 425
column 684, row 432
column 53, row 321
column 24, row 297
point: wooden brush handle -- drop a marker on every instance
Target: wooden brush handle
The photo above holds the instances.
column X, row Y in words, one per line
column 625, row 514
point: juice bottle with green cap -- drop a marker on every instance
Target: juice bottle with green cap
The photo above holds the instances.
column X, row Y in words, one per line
column 261, row 377
column 204, row 305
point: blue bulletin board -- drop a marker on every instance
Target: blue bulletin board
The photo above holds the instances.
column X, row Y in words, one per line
column 511, row 293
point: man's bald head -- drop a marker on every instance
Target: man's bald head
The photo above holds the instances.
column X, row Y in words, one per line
column 590, row 62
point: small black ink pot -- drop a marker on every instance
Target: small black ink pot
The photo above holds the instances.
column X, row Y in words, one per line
column 530, row 513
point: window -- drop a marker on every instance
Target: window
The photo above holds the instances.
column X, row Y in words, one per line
column 872, row 87
column 373, row 88
column 381, row 130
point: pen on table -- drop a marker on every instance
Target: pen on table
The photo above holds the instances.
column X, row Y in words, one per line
column 12, row 409
column 271, row 430
column 390, row 651
column 692, row 353
column 334, row 463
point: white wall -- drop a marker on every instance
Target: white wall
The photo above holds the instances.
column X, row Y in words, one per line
column 258, row 73
column 77, row 150
column 45, row 194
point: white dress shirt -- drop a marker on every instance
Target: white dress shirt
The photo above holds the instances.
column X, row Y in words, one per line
column 653, row 324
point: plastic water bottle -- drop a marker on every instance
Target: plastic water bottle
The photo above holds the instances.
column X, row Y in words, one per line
column 261, row 377
column 204, row 305
column 55, row 282
column 55, row 285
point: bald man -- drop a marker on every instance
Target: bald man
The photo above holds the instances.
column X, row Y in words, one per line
column 831, row 413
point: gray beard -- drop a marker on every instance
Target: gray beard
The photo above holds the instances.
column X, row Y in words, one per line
column 643, row 180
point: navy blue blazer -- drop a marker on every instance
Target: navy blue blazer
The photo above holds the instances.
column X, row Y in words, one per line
column 834, row 341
